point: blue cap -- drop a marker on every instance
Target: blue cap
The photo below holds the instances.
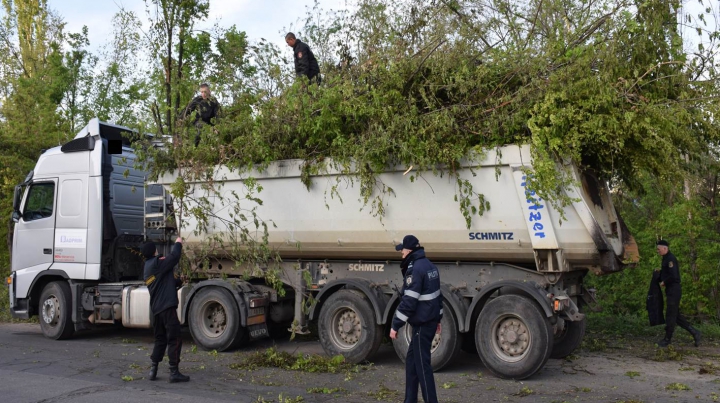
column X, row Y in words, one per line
column 409, row 242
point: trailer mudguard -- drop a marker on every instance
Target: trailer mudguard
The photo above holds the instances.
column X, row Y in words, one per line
column 375, row 295
column 236, row 288
column 530, row 288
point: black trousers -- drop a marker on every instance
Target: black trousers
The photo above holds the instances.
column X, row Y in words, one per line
column 672, row 315
column 418, row 369
column 167, row 336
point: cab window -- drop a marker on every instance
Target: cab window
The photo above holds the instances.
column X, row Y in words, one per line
column 40, row 201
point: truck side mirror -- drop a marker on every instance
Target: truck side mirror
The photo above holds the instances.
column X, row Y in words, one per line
column 17, row 198
column 15, row 216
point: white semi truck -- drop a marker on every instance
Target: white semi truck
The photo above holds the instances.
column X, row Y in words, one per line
column 512, row 283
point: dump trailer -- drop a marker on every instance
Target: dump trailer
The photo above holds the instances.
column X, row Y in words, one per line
column 512, row 283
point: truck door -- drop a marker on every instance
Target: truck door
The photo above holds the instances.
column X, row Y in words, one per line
column 35, row 230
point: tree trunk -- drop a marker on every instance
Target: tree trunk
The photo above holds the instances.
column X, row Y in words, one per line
column 181, row 50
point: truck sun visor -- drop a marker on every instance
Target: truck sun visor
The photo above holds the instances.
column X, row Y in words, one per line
column 82, row 144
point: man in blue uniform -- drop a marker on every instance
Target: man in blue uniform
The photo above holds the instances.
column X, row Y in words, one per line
column 421, row 307
column 162, row 284
column 670, row 279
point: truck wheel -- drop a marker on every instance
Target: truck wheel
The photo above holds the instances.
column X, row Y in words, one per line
column 215, row 320
column 569, row 339
column 513, row 337
column 445, row 346
column 55, row 311
column 347, row 326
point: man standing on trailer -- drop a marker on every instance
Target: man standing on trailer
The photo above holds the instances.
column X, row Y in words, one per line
column 305, row 62
column 670, row 279
column 206, row 109
column 162, row 284
column 421, row 307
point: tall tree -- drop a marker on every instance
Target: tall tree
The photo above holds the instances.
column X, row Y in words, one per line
column 34, row 80
column 172, row 23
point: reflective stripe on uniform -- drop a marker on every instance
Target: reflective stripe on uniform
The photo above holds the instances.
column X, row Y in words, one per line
column 413, row 294
column 429, row 297
column 400, row 316
column 423, row 297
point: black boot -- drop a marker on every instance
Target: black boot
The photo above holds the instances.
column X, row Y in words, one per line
column 696, row 336
column 664, row 342
column 176, row 376
column 153, row 371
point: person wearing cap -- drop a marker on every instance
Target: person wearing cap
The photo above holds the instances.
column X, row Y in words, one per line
column 421, row 307
column 162, row 284
column 670, row 280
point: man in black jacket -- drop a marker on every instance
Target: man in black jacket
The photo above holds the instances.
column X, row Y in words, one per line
column 421, row 307
column 206, row 109
column 670, row 279
column 162, row 284
column 305, row 62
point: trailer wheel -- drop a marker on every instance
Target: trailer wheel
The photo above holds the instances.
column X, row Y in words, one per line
column 445, row 346
column 215, row 320
column 55, row 311
column 569, row 339
column 513, row 337
column 347, row 326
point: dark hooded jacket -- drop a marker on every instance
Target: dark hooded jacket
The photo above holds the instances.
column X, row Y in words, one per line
column 305, row 62
column 422, row 300
column 161, row 281
column 206, row 109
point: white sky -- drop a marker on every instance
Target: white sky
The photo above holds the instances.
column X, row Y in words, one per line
column 270, row 19
column 267, row 19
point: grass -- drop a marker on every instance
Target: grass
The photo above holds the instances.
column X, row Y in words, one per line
column 677, row 386
column 667, row 354
column 525, row 391
column 272, row 358
column 384, row 394
column 324, row 391
column 632, row 374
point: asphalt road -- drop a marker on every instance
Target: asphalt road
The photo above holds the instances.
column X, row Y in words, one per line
column 109, row 365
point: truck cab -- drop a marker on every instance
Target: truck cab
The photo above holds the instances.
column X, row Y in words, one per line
column 78, row 216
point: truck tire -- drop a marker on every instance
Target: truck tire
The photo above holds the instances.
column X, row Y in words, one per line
column 445, row 346
column 215, row 320
column 513, row 337
column 347, row 326
column 569, row 339
column 55, row 311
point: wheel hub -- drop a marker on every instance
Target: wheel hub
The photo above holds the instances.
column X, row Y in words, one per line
column 50, row 310
column 348, row 328
column 435, row 342
column 513, row 337
column 214, row 319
